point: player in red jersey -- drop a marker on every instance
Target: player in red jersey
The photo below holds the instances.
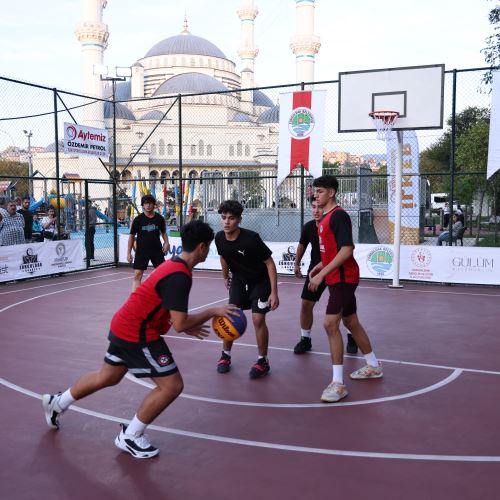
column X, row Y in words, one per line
column 136, row 344
column 340, row 271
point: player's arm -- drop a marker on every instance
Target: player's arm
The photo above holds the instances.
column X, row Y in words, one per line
column 343, row 254
column 225, row 272
column 131, row 239
column 193, row 324
column 163, row 232
column 298, row 258
column 273, row 299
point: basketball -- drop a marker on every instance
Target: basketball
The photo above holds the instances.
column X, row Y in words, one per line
column 230, row 327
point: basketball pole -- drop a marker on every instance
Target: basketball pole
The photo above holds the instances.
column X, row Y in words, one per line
column 397, row 211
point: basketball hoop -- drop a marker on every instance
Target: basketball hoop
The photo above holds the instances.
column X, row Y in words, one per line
column 384, row 122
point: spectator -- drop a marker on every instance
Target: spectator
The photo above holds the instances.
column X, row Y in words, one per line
column 49, row 225
column 455, row 229
column 11, row 226
column 36, row 229
column 460, row 214
column 3, row 205
column 28, row 218
column 89, row 235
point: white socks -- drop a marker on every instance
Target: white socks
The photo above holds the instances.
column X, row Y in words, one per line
column 305, row 333
column 65, row 400
column 338, row 373
column 136, row 427
column 371, row 359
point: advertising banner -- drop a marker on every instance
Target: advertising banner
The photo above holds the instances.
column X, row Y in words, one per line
column 85, row 141
column 40, row 259
column 475, row 266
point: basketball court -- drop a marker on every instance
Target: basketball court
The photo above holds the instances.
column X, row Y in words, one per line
column 425, row 429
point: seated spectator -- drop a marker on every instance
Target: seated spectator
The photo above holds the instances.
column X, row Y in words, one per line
column 36, row 229
column 455, row 229
column 11, row 226
column 28, row 218
column 49, row 225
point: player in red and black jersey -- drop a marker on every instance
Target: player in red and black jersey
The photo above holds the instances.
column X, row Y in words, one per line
column 340, row 271
column 136, row 344
column 309, row 236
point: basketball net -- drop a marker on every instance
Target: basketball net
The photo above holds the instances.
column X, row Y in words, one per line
column 384, row 122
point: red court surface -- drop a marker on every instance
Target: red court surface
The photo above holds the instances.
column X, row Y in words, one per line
column 428, row 429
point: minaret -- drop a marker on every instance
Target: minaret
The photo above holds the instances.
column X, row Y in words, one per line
column 305, row 45
column 92, row 34
column 247, row 52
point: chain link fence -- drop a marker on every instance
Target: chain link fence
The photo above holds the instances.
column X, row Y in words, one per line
column 194, row 150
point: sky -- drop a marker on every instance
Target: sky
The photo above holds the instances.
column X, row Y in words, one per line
column 38, row 44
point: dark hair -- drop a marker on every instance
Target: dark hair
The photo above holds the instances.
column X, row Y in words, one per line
column 232, row 207
column 27, row 198
column 195, row 232
column 148, row 198
column 326, row 181
column 3, row 201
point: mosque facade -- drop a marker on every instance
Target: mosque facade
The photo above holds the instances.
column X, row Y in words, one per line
column 225, row 130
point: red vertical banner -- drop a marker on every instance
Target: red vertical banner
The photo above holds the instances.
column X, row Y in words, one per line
column 300, row 147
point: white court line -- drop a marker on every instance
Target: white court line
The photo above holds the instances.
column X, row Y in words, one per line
column 274, row 446
column 442, row 383
column 398, row 362
column 64, row 283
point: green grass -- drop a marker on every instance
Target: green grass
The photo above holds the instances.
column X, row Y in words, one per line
column 489, row 241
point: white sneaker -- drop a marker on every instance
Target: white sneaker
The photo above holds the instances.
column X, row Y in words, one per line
column 137, row 446
column 368, row 371
column 52, row 409
column 334, row 392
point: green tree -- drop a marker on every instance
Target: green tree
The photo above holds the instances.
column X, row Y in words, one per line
column 10, row 169
column 492, row 50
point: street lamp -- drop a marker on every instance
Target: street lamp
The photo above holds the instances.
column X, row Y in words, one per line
column 29, row 134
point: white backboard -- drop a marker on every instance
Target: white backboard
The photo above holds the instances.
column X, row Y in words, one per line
column 415, row 92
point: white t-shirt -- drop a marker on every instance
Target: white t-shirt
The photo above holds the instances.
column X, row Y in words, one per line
column 50, row 229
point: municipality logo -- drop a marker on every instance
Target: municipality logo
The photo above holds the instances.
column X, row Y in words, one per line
column 421, row 257
column 379, row 261
column 301, row 123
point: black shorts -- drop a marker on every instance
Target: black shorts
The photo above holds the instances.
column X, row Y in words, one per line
column 250, row 295
column 152, row 360
column 312, row 296
column 141, row 261
column 342, row 299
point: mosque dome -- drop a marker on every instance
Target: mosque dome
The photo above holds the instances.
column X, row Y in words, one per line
column 190, row 83
column 261, row 99
column 185, row 43
column 52, row 147
column 123, row 91
column 241, row 117
column 122, row 112
column 152, row 115
column 271, row 115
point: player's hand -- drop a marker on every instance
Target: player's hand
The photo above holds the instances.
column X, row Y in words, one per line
column 227, row 282
column 315, row 270
column 200, row 332
column 129, row 257
column 274, row 301
column 166, row 247
column 297, row 271
column 314, row 282
column 226, row 310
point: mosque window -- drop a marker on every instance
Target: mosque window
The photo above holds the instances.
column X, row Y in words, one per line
column 164, row 176
column 239, row 148
column 193, row 149
column 209, row 150
column 193, row 61
column 183, row 61
column 153, row 149
column 209, row 63
column 247, row 150
column 231, row 150
column 161, row 151
column 201, row 61
column 170, row 149
column 230, row 177
column 201, row 148
column 193, row 174
column 153, row 175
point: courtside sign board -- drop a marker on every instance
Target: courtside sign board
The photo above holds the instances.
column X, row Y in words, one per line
column 301, row 132
column 85, row 141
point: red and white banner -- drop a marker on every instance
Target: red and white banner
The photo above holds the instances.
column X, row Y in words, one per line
column 85, row 141
column 302, row 130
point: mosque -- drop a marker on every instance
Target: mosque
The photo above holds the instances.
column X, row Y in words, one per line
column 223, row 133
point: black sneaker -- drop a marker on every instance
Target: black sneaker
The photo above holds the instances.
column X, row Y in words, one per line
column 52, row 409
column 352, row 347
column 260, row 369
column 224, row 363
column 137, row 446
column 303, row 345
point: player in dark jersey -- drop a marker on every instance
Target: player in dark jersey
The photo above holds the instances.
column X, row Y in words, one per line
column 310, row 236
column 136, row 344
column 148, row 227
column 340, row 271
column 250, row 276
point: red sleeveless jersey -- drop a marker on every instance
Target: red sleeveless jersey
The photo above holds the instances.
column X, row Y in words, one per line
column 142, row 319
column 348, row 272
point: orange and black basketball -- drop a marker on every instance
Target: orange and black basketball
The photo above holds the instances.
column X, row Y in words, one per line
column 230, row 327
